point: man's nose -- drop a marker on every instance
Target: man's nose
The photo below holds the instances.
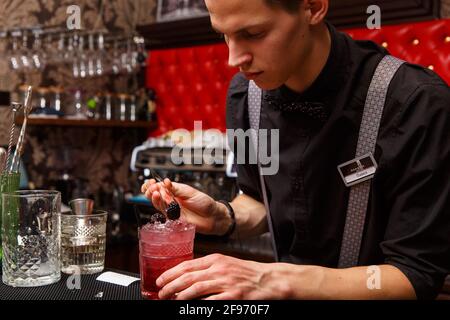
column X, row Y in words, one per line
column 237, row 58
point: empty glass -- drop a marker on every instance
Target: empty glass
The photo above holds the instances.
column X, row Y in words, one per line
column 27, row 62
column 31, row 238
column 88, row 54
column 100, row 55
column 38, row 55
column 83, row 242
column 115, row 59
column 14, row 56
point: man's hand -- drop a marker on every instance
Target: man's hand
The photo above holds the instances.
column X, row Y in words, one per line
column 197, row 208
column 219, row 277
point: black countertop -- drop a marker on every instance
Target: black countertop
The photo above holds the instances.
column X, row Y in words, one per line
column 89, row 289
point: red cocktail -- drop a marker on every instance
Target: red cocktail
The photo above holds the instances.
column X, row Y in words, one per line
column 161, row 247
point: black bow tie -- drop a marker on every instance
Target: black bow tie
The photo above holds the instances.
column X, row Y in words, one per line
column 314, row 110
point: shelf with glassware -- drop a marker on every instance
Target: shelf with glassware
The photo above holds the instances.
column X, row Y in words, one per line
column 54, row 107
column 86, row 53
column 64, row 122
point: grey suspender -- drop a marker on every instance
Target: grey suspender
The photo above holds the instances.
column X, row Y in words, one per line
column 254, row 111
column 368, row 132
column 359, row 194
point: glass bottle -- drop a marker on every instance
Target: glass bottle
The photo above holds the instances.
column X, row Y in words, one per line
column 132, row 109
column 78, row 104
column 92, row 106
column 42, row 94
column 56, row 98
column 108, row 106
column 122, row 106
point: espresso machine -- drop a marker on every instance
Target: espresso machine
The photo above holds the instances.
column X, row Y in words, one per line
column 195, row 166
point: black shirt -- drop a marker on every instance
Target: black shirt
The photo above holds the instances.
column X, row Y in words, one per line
column 408, row 216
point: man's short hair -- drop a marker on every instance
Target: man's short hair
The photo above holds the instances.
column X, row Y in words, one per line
column 288, row 5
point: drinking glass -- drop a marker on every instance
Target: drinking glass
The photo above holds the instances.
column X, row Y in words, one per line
column 31, row 237
column 161, row 247
column 14, row 55
column 83, row 242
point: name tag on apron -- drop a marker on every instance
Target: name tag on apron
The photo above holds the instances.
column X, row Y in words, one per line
column 358, row 170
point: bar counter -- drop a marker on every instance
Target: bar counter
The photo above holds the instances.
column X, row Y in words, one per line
column 90, row 289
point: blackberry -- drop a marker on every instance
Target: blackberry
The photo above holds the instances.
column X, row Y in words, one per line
column 173, row 210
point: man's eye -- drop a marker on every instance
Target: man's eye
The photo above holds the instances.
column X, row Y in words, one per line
column 253, row 36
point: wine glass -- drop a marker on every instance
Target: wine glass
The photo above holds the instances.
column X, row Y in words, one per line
column 38, row 56
column 25, row 58
column 14, row 55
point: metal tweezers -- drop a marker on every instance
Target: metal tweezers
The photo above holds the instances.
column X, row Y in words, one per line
column 173, row 209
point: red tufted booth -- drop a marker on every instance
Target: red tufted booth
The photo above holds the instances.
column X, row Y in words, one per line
column 425, row 43
column 191, row 83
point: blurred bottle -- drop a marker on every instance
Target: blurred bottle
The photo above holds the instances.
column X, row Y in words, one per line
column 122, row 106
column 92, row 106
column 78, row 107
column 56, row 98
column 43, row 97
column 132, row 109
column 42, row 103
column 108, row 106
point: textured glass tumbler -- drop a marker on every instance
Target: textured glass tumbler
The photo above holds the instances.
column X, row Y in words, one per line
column 83, row 242
column 31, row 238
column 9, row 182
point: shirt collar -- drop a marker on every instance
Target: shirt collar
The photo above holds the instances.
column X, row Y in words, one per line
column 324, row 88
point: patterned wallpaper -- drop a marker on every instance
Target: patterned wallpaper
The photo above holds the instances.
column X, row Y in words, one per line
column 100, row 155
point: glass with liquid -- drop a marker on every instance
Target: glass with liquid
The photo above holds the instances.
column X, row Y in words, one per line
column 83, row 242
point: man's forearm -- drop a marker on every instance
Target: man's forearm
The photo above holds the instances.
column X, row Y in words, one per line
column 250, row 217
column 314, row 282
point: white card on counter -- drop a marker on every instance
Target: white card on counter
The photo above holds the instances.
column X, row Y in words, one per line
column 117, row 278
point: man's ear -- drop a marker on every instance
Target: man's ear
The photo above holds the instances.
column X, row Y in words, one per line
column 316, row 10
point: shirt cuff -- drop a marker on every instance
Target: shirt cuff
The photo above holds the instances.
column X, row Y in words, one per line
column 425, row 286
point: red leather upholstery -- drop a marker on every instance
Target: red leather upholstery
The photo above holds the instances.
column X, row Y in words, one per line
column 191, row 83
column 424, row 43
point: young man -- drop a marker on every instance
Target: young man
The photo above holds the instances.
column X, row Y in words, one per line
column 315, row 82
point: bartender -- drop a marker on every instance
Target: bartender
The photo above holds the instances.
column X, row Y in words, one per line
column 315, row 81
